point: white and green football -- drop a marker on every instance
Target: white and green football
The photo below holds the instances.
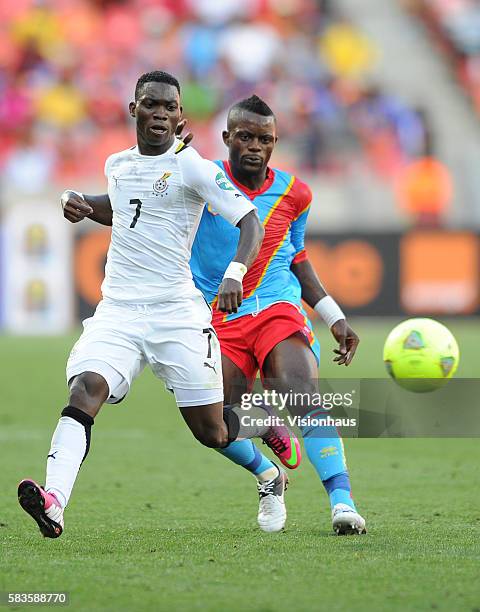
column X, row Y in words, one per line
column 421, row 354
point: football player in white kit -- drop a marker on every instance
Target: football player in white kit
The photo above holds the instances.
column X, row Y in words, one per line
column 151, row 312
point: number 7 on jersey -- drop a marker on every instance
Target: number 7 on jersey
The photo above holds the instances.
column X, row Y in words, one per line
column 136, row 216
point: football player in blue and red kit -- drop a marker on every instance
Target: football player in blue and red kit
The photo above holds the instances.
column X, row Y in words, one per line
column 270, row 331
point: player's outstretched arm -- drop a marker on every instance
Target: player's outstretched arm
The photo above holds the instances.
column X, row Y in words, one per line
column 251, row 238
column 230, row 293
column 76, row 206
column 210, row 182
column 317, row 298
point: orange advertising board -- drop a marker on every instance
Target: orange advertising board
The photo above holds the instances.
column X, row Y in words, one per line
column 440, row 272
column 421, row 272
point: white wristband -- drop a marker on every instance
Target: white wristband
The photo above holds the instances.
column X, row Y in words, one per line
column 329, row 310
column 64, row 198
column 235, row 270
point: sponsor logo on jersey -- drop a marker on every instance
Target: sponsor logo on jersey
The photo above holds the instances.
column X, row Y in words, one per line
column 160, row 186
column 223, row 182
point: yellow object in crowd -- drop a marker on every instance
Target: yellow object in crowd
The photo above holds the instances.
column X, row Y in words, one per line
column 61, row 105
column 39, row 28
column 346, row 51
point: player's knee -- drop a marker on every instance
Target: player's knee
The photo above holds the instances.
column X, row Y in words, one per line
column 88, row 392
column 213, row 437
column 297, row 381
column 305, row 390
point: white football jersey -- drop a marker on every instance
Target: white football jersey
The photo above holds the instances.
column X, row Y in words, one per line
column 157, row 203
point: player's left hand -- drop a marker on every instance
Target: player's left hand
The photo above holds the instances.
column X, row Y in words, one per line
column 347, row 342
column 187, row 139
column 230, row 295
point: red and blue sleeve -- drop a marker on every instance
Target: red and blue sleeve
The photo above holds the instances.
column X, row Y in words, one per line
column 303, row 195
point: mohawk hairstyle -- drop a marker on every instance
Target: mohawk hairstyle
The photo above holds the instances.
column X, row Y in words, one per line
column 253, row 104
column 157, row 76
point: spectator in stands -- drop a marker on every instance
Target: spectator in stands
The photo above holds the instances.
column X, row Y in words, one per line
column 424, row 186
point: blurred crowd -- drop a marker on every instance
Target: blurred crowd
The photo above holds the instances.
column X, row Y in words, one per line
column 68, row 69
column 457, row 26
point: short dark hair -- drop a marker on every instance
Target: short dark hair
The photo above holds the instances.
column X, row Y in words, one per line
column 253, row 104
column 157, row 76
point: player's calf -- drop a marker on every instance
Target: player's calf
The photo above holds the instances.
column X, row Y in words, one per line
column 206, row 424
column 208, row 427
column 212, row 437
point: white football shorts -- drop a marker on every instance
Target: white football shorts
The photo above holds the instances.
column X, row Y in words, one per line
column 176, row 339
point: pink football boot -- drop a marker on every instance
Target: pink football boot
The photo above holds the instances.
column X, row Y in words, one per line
column 42, row 506
column 283, row 443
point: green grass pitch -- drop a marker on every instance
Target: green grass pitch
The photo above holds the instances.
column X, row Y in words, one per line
column 157, row 522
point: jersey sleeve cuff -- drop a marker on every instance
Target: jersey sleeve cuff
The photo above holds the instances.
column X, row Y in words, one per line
column 242, row 214
column 300, row 256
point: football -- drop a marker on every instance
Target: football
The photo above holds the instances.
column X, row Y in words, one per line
column 421, row 355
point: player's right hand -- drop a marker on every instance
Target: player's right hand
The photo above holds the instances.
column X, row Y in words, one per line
column 74, row 207
column 230, row 295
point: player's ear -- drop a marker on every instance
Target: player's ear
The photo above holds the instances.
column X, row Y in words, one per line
column 131, row 107
column 226, row 137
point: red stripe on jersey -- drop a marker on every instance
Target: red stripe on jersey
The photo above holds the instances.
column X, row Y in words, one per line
column 302, row 211
column 268, row 250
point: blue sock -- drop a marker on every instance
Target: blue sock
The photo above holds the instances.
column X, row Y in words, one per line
column 325, row 450
column 246, row 454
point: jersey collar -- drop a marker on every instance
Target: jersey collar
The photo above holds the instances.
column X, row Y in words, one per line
column 250, row 192
column 175, row 144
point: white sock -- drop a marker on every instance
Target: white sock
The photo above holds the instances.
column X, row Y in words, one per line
column 268, row 474
column 67, row 450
